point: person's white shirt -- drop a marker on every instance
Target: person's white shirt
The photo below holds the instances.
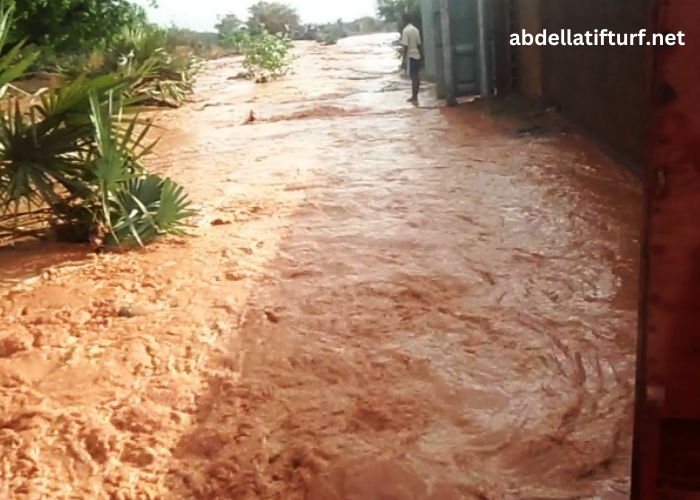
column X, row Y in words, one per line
column 410, row 38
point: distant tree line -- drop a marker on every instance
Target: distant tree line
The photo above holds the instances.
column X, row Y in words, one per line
column 278, row 17
column 62, row 27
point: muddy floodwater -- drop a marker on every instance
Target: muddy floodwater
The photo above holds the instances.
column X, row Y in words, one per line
column 378, row 301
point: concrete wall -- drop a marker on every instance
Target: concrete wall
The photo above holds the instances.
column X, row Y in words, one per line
column 428, row 35
column 601, row 88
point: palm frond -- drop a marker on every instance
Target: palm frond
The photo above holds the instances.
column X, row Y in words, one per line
column 146, row 207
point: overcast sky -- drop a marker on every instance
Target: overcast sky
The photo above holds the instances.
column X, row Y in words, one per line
column 202, row 14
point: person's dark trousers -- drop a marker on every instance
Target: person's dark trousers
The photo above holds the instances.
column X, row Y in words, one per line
column 414, row 72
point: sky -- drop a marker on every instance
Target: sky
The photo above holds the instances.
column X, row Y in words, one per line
column 201, row 15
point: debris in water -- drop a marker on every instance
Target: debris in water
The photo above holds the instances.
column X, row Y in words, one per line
column 533, row 130
column 131, row 311
column 250, row 118
column 241, row 75
column 272, row 317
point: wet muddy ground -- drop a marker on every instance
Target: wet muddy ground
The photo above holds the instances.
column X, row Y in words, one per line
column 378, row 301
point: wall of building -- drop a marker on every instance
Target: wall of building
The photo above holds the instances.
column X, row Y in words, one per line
column 502, row 62
column 601, row 88
column 529, row 57
column 428, row 35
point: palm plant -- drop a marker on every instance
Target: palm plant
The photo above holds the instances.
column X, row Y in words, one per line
column 17, row 60
column 134, row 206
column 73, row 160
column 141, row 41
column 161, row 78
column 165, row 79
column 46, row 152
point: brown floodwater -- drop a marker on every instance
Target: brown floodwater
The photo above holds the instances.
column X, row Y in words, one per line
column 378, row 301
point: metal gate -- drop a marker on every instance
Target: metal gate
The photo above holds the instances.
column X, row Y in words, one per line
column 464, row 47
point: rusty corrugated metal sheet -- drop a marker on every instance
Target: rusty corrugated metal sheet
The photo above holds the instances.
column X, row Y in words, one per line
column 666, row 460
column 600, row 88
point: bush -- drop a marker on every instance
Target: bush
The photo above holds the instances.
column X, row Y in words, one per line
column 73, row 161
column 235, row 41
column 268, row 56
column 163, row 78
column 70, row 26
column 232, row 33
column 330, row 34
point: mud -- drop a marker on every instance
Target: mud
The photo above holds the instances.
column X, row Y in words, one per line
column 377, row 301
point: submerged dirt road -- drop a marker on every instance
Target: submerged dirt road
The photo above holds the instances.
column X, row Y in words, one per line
column 380, row 302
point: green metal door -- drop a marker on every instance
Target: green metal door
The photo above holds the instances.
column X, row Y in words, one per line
column 464, row 35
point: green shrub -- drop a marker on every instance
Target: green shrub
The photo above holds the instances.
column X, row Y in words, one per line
column 163, row 78
column 235, row 41
column 268, row 56
column 73, row 161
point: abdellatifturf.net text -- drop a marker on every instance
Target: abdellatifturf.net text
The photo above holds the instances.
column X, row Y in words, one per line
column 596, row 37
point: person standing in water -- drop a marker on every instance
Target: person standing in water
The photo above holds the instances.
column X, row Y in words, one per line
column 410, row 39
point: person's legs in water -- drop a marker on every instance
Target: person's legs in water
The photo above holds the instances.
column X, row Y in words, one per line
column 414, row 72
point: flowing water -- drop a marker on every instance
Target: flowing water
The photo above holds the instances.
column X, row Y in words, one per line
column 380, row 301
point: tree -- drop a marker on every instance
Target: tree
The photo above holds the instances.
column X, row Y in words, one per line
column 230, row 23
column 62, row 26
column 275, row 17
column 368, row 25
column 232, row 32
column 178, row 37
column 390, row 11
